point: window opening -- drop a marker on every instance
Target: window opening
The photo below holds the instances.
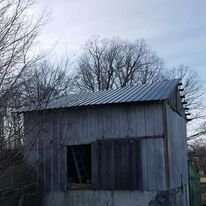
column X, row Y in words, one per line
column 79, row 166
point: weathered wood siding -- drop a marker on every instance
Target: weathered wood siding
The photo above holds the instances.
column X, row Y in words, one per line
column 85, row 125
column 45, row 149
column 177, row 149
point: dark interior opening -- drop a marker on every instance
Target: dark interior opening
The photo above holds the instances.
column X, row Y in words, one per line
column 79, row 166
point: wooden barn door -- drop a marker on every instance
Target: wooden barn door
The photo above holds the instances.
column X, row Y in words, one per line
column 116, row 164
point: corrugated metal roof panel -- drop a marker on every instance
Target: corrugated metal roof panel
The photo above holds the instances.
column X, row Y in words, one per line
column 148, row 92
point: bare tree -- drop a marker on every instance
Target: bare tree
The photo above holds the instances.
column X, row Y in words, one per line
column 17, row 36
column 45, row 81
column 113, row 63
column 18, row 33
column 197, row 153
column 41, row 83
column 193, row 93
column 192, row 86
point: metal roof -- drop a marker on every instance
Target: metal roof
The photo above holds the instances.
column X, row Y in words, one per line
column 147, row 92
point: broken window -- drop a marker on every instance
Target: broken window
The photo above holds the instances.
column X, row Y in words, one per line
column 79, row 166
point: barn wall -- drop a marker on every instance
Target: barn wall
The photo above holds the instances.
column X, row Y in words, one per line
column 45, row 149
column 86, row 125
column 80, row 126
column 177, row 148
column 31, row 128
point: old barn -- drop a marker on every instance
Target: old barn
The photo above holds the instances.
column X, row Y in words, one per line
column 119, row 147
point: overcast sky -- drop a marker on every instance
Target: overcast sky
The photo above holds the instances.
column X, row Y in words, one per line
column 174, row 29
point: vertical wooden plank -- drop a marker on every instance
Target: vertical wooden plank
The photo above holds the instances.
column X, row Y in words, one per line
column 132, row 121
column 149, row 120
column 51, row 148
column 169, row 145
column 124, row 162
column 110, row 172
column 72, row 140
column 158, row 119
column 174, row 149
column 107, row 165
column 140, row 117
column 108, row 122
column 67, row 127
column 100, row 165
column 76, row 126
column 58, row 150
column 123, row 122
column 144, row 165
column 139, row 174
column 115, row 122
column 160, row 164
column 92, row 123
column 65, row 150
column 117, row 165
column 62, row 153
column 100, row 123
column 141, row 131
column 95, row 164
column 84, row 126
column 178, row 146
column 48, row 155
column 30, row 141
column 151, row 167
column 134, row 165
column 121, row 161
column 36, row 145
column 55, row 151
column 159, row 147
column 151, row 156
column 41, row 151
column 185, row 160
column 103, row 165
